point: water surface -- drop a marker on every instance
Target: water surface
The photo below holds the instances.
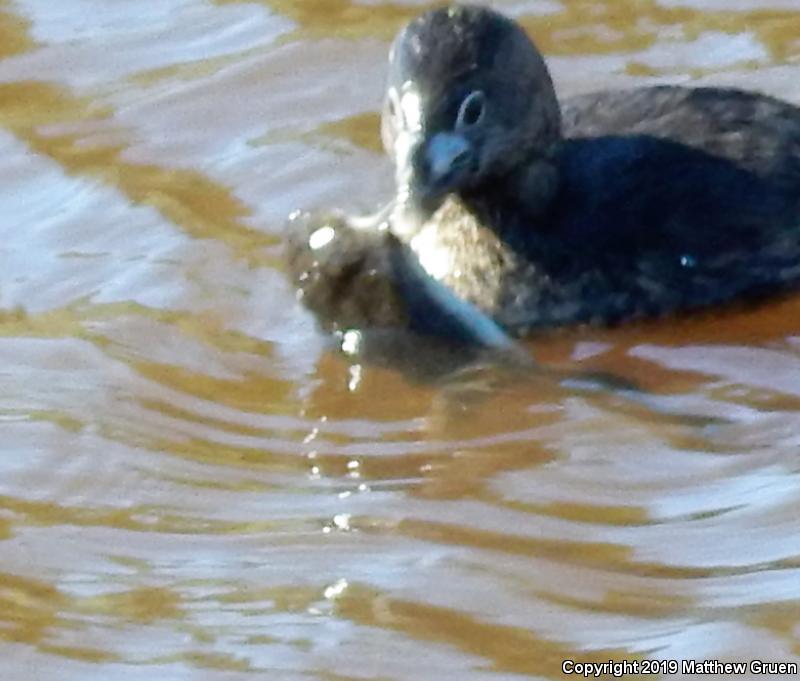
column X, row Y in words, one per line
column 193, row 486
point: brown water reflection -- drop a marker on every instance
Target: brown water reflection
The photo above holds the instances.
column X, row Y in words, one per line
column 193, row 486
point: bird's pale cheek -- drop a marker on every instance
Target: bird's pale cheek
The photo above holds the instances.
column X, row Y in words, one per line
column 410, row 210
column 405, row 148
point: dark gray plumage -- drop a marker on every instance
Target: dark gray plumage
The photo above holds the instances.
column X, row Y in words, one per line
column 626, row 204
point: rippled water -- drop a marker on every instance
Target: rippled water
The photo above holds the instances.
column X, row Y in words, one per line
column 192, row 486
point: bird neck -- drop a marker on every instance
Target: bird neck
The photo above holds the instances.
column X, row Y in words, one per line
column 522, row 196
column 527, row 192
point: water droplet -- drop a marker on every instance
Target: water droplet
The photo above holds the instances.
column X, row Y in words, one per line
column 335, row 590
column 342, row 521
column 321, row 238
column 351, row 342
column 355, row 378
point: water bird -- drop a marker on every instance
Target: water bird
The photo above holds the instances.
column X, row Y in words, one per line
column 515, row 213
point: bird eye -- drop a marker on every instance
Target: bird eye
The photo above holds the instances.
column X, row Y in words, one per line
column 472, row 109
